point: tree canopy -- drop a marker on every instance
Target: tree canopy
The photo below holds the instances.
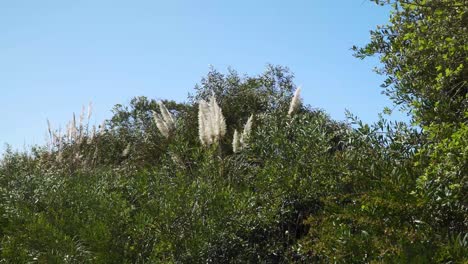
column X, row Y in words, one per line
column 424, row 52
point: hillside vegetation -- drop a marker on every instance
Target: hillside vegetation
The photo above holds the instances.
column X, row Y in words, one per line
column 244, row 172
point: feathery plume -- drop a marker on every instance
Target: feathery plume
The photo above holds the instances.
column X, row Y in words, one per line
column 164, row 121
column 295, row 102
column 204, row 125
column 211, row 122
column 82, row 116
column 213, row 118
column 68, row 131
column 73, row 128
column 162, row 126
column 49, row 128
column 126, row 150
column 218, row 121
column 90, row 110
column 246, row 133
column 236, row 144
column 166, row 116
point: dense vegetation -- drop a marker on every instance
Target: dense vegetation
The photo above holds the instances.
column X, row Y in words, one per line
column 295, row 186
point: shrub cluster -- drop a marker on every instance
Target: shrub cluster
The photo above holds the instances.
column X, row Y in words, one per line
column 148, row 188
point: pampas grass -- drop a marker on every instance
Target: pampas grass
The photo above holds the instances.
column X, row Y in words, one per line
column 211, row 122
column 204, row 123
column 239, row 142
column 49, row 128
column 164, row 121
column 236, row 144
column 75, row 132
column 126, row 151
column 295, row 102
column 161, row 125
column 246, row 133
column 218, row 121
column 90, row 110
column 167, row 116
column 73, row 142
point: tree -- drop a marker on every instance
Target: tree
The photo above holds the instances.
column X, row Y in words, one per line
column 424, row 55
column 424, row 52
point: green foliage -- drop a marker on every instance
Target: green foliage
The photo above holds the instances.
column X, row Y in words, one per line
column 424, row 52
column 443, row 185
column 424, row 55
column 304, row 189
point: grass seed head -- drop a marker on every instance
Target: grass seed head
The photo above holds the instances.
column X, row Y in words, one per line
column 166, row 116
column 236, row 145
column 246, row 133
column 161, row 125
column 295, row 102
column 204, row 123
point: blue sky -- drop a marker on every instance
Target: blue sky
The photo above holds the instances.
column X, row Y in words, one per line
column 56, row 56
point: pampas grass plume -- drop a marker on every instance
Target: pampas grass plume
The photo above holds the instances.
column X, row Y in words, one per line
column 73, row 128
column 236, row 145
column 211, row 122
column 166, row 116
column 90, row 110
column 246, row 133
column 49, row 128
column 218, row 122
column 126, row 151
column 295, row 102
column 204, row 125
column 161, row 125
column 164, row 121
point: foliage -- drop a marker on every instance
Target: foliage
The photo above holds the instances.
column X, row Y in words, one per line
column 302, row 187
column 424, row 55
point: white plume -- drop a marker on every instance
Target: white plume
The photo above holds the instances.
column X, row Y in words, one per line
column 49, row 128
column 218, row 122
column 161, row 125
column 90, row 110
column 295, row 102
column 212, row 125
column 164, row 121
column 204, row 124
column 246, row 133
column 126, row 151
column 73, row 128
column 167, row 116
column 236, row 145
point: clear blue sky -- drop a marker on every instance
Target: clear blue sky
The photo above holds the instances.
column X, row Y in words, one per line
column 57, row 55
